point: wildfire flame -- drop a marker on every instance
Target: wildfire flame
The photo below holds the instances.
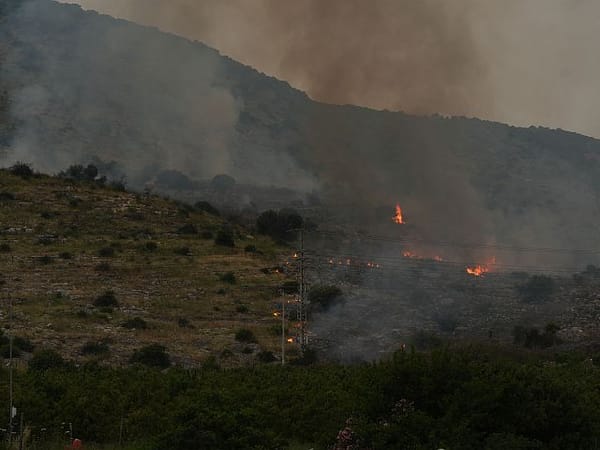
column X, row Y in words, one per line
column 477, row 271
column 398, row 216
column 481, row 269
column 290, row 340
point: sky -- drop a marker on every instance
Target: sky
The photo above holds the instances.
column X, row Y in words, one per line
column 523, row 62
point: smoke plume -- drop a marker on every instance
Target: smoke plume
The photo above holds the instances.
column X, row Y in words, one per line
column 517, row 62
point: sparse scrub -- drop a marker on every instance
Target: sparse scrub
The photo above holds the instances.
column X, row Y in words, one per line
column 108, row 299
column 137, row 323
column 46, row 359
column 106, row 252
column 7, row 196
column 153, row 355
column 95, row 348
column 245, row 335
column 228, row 277
column 324, row 297
column 188, row 228
column 537, row 289
column 207, row 208
column 225, row 237
column 183, row 251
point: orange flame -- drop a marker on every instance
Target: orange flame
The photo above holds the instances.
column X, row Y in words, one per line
column 477, row 271
column 481, row 269
column 398, row 216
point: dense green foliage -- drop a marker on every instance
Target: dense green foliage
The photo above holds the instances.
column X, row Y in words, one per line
column 456, row 399
column 281, row 225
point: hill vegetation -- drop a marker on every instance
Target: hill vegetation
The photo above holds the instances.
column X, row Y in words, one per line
column 82, row 262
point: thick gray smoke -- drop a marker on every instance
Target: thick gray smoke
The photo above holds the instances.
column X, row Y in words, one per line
column 517, row 62
column 151, row 102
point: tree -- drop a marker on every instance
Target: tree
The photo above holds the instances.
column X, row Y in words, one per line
column 280, row 225
column 222, row 182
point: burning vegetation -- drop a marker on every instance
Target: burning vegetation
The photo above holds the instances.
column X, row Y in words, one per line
column 398, row 216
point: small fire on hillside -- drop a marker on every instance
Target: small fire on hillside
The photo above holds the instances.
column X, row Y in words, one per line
column 480, row 269
column 413, row 255
column 398, row 216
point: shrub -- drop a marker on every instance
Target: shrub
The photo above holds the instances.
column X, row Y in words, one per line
column 6, row 196
column 174, row 179
column 324, row 296
column 245, row 335
column 242, row 309
column 45, row 260
column 95, row 348
column 290, row 287
column 22, row 170
column 228, row 277
column 188, row 228
column 279, row 225
column 266, row 357
column 207, row 234
column 80, row 173
column 103, row 267
column 65, row 255
column 46, row 359
column 5, row 248
column 222, row 182
column 183, row 251
column 537, row 289
column 153, row 355
column 250, row 248
column 107, row 299
column 136, row 323
column 182, row 322
column 23, row 344
column 225, row 237
column 150, row 246
column 106, row 252
column 207, row 208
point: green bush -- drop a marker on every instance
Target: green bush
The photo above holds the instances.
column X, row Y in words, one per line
column 183, row 251
column 228, row 277
column 46, row 359
column 225, row 237
column 153, row 355
column 106, row 252
column 95, row 348
column 207, row 208
column 280, row 225
column 22, row 170
column 136, row 323
column 108, row 299
column 245, row 335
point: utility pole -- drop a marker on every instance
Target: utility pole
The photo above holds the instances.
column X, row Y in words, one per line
column 283, row 331
column 10, row 373
column 302, row 309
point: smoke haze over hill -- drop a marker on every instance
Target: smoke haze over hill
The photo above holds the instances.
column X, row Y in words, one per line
column 517, row 62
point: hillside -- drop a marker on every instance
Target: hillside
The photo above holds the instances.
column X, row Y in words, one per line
column 79, row 87
column 65, row 244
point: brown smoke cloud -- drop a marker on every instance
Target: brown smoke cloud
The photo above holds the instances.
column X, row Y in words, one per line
column 405, row 55
column 519, row 62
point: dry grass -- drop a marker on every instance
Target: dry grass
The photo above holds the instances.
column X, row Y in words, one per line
column 59, row 233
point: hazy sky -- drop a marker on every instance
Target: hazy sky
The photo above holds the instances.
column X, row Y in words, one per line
column 518, row 61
